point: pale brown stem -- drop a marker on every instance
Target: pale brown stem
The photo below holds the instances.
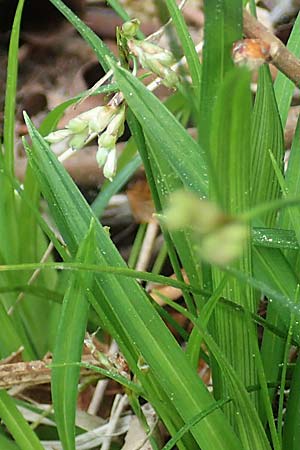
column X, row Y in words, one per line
column 280, row 56
column 34, row 372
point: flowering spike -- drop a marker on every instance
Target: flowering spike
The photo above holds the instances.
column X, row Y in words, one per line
column 156, row 59
column 86, row 126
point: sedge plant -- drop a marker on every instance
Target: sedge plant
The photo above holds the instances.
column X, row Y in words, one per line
column 228, row 215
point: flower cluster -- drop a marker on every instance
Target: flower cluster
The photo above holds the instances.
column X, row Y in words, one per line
column 155, row 58
column 106, row 122
column 219, row 238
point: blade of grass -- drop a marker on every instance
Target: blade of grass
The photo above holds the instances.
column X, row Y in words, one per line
column 266, row 134
column 68, row 347
column 223, row 26
column 292, row 183
column 11, row 89
column 7, row 443
column 162, row 184
column 264, row 391
column 274, row 238
column 96, row 268
column 25, row 438
column 284, row 87
column 250, row 428
column 231, row 160
column 172, row 442
column 291, row 431
column 288, row 218
column 187, row 45
column 162, row 144
column 284, row 374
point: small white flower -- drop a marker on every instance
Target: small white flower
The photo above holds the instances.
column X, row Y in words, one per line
column 101, row 118
column 116, row 125
column 106, row 140
column 101, row 156
column 110, row 167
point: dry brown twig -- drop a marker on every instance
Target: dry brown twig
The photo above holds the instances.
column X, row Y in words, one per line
column 280, row 56
column 35, row 372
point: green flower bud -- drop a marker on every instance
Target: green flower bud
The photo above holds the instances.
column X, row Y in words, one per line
column 130, row 28
column 107, row 141
column 156, row 59
column 57, row 136
column 77, row 125
column 219, row 238
column 101, row 156
column 117, row 122
column 171, row 79
column 188, row 210
column 100, row 119
column 225, row 244
column 110, row 167
column 78, row 140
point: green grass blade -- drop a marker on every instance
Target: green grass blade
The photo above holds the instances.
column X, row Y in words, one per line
column 171, row 154
column 284, row 375
column 292, row 182
column 11, row 336
column 96, row 268
column 283, row 87
column 250, row 428
column 288, row 218
column 11, row 89
column 172, row 442
column 16, row 424
column 273, row 269
column 223, row 26
column 291, row 432
column 115, row 4
column 264, row 391
column 7, row 443
column 274, row 238
column 162, row 184
column 68, row 347
column 231, row 160
column 187, row 44
column 266, row 134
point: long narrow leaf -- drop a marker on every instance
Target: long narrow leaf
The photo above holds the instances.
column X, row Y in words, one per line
column 11, row 89
column 17, row 425
column 284, row 87
column 68, row 347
